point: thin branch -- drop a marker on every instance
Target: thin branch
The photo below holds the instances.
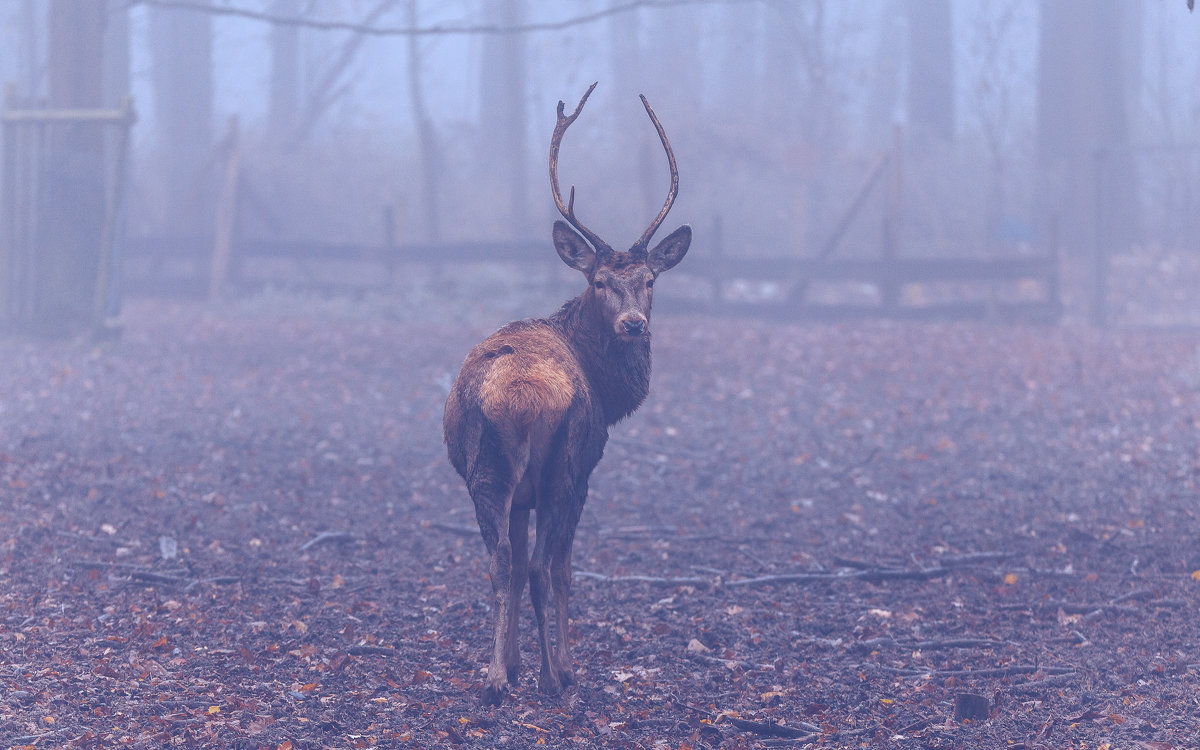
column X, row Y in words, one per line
column 993, row 672
column 702, row 583
column 327, row 537
column 769, row 728
column 443, row 30
column 873, row 576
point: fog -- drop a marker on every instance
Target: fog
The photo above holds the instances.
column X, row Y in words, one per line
column 1008, row 127
column 920, row 445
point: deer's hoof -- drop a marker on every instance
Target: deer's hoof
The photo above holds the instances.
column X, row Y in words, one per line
column 492, row 695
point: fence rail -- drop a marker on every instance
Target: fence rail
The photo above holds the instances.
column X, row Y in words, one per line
column 181, row 267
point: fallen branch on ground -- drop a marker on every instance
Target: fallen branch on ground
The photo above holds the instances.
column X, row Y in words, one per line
column 873, row 575
column 651, row 580
column 992, row 672
column 1036, row 685
column 769, row 728
column 728, row 663
column 370, row 651
column 327, row 537
column 455, row 528
column 873, row 643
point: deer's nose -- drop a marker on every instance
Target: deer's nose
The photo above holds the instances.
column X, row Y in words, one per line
column 634, row 326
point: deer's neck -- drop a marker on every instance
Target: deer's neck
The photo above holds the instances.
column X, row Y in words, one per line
column 618, row 371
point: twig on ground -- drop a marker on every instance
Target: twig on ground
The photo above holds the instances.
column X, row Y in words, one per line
column 769, row 728
column 455, row 528
column 149, row 576
column 1134, row 595
column 990, row 672
column 370, row 651
column 972, row 558
column 954, row 643
column 917, row 726
column 1035, row 685
column 327, row 537
column 931, row 645
column 873, row 575
column 702, row 711
column 728, row 663
column 651, row 580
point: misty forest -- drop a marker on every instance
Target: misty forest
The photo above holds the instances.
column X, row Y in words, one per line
column 917, row 467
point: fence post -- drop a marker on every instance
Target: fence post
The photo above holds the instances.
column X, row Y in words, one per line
column 1098, row 271
column 226, row 219
column 889, row 288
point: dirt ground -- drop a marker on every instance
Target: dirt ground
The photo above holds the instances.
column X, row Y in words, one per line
column 227, row 531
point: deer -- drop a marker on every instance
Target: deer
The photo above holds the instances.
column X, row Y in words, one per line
column 527, row 419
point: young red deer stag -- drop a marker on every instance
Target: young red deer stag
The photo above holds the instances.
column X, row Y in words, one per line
column 527, row 418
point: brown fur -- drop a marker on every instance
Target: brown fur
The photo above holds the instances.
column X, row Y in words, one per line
column 528, row 377
column 527, row 419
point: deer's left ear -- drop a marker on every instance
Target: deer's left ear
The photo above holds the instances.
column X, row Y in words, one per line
column 671, row 250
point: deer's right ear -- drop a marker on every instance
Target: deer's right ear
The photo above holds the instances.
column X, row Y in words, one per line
column 573, row 249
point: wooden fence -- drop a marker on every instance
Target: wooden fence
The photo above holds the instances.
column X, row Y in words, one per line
column 226, row 261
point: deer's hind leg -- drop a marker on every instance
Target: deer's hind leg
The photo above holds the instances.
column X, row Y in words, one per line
column 492, row 484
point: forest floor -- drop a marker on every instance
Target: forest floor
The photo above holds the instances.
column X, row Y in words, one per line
column 234, row 531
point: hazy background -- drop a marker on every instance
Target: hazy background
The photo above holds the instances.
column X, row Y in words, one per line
column 1017, row 120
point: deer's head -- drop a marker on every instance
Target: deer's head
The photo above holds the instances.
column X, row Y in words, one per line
column 620, row 284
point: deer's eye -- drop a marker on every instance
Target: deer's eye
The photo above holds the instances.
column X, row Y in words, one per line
column 649, row 283
column 598, row 284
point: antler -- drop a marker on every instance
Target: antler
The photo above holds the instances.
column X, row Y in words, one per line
column 568, row 209
column 640, row 247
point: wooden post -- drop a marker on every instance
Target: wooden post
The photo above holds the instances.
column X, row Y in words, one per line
column 1098, row 277
column 227, row 200
column 889, row 288
column 105, row 299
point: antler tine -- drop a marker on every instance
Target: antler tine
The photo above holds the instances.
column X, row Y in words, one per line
column 568, row 209
column 640, row 247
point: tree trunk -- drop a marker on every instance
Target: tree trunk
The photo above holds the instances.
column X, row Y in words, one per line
column 1085, row 173
column 503, row 114
column 181, row 53
column 72, row 214
column 283, row 102
column 426, row 136
column 930, row 70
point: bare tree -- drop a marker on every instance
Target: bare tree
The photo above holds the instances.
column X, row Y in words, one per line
column 502, row 115
column 930, row 70
column 283, row 100
column 181, row 52
column 65, row 275
column 1083, row 120
column 426, row 135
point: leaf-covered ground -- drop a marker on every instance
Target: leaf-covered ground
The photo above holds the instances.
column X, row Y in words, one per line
column 227, row 531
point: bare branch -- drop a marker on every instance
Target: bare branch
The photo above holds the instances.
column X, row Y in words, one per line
column 464, row 29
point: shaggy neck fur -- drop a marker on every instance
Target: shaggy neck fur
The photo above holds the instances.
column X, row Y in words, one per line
column 618, row 371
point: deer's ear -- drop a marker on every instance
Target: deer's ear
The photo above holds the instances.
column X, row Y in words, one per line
column 573, row 249
column 670, row 251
